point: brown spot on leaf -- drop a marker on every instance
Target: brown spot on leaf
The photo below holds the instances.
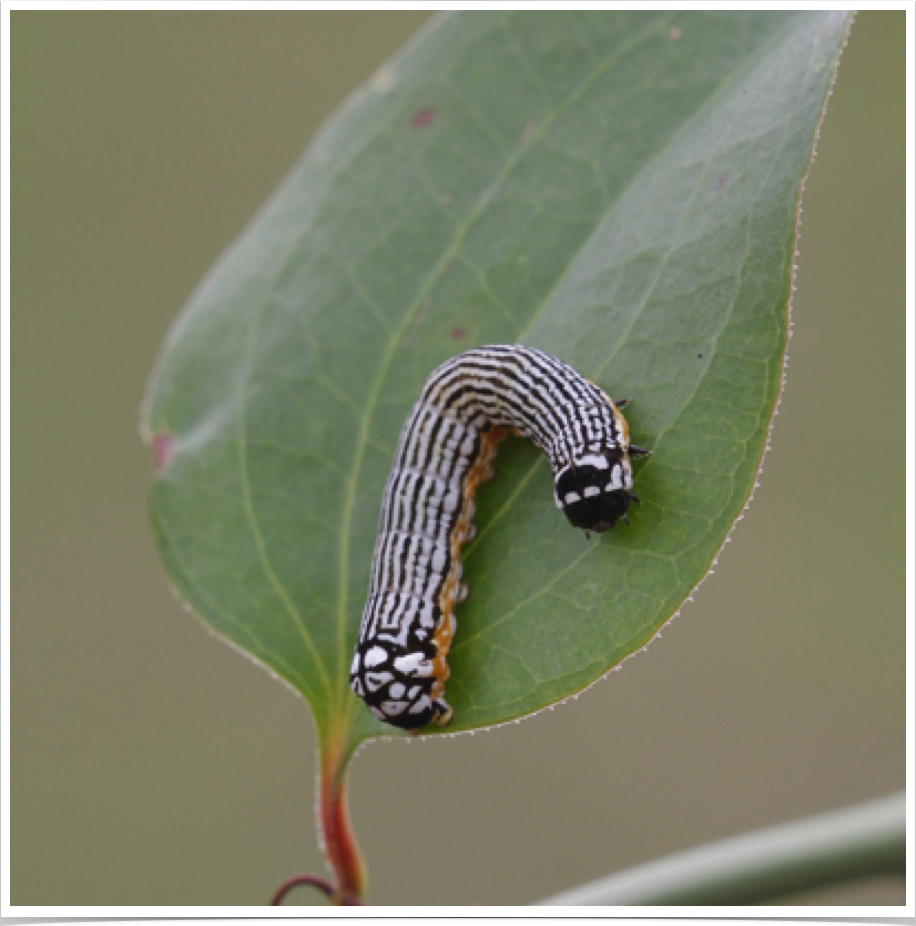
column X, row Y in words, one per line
column 423, row 117
column 722, row 181
column 675, row 32
column 459, row 333
column 163, row 450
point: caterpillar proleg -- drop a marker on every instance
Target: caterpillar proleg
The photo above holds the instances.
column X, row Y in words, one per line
column 444, row 453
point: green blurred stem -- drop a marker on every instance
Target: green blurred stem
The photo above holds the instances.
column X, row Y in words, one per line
column 869, row 839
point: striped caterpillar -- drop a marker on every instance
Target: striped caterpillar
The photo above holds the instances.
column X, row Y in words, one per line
column 444, row 453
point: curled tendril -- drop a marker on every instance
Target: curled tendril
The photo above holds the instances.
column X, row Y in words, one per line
column 321, row 884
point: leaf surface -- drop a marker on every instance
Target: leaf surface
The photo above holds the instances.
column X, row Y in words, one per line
column 618, row 189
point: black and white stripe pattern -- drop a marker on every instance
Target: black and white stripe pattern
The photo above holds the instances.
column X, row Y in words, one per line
column 445, row 450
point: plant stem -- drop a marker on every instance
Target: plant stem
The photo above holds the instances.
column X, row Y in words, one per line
column 869, row 839
column 340, row 844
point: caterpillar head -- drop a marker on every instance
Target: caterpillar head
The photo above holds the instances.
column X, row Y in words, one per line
column 596, row 491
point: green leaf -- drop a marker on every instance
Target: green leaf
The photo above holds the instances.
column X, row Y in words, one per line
column 619, row 189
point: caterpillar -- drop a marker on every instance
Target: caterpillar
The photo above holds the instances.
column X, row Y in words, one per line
column 444, row 453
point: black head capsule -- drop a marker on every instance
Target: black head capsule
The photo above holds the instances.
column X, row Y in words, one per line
column 595, row 495
column 598, row 513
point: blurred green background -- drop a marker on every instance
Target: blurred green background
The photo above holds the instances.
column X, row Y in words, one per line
column 153, row 765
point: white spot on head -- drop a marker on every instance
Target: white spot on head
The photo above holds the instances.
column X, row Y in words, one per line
column 571, row 498
column 414, row 664
column 615, row 482
column 375, row 680
column 593, row 459
column 375, row 657
column 591, row 491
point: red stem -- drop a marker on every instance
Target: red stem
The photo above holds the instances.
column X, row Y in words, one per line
column 340, row 844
